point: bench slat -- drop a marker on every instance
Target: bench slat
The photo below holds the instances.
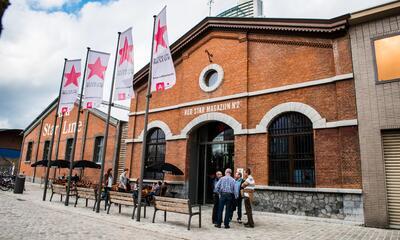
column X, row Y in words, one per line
column 173, row 205
column 172, row 209
column 174, row 200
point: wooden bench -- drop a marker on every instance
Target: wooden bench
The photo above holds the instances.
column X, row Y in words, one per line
column 86, row 193
column 176, row 205
column 61, row 190
column 126, row 199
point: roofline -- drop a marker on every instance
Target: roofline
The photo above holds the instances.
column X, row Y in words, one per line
column 114, row 121
column 376, row 12
column 323, row 26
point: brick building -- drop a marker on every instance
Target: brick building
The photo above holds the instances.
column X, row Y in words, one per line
column 37, row 137
column 273, row 95
column 375, row 45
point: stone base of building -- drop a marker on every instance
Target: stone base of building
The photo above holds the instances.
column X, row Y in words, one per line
column 336, row 204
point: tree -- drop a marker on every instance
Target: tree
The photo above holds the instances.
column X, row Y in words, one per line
column 3, row 5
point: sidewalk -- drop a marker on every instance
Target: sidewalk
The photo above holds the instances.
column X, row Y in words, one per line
column 26, row 216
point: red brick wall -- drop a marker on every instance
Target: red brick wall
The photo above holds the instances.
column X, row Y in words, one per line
column 253, row 62
column 95, row 128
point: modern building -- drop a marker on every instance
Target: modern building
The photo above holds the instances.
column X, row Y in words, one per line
column 37, row 139
column 375, row 46
column 273, row 95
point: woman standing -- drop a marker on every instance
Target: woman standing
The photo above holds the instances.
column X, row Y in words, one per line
column 123, row 181
column 108, row 181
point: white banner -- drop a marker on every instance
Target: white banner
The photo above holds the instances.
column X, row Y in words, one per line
column 163, row 70
column 124, row 71
column 70, row 86
column 95, row 74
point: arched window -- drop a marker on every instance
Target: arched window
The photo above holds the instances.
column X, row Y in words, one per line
column 291, row 151
column 155, row 153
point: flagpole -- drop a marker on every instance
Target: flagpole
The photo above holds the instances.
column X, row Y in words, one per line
column 58, row 141
column 104, row 150
column 146, row 116
column 46, row 181
column 76, row 132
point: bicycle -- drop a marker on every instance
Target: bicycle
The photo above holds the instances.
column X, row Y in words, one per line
column 7, row 183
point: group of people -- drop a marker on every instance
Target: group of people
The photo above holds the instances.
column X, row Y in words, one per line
column 228, row 194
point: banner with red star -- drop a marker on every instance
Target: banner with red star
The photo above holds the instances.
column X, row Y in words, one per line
column 124, row 71
column 95, row 74
column 70, row 86
column 163, row 70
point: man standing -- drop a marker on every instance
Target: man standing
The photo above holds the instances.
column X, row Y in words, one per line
column 226, row 189
column 248, row 186
column 238, row 201
column 218, row 175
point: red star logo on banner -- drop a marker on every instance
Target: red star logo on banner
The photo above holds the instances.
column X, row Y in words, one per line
column 125, row 52
column 97, row 69
column 159, row 37
column 72, row 77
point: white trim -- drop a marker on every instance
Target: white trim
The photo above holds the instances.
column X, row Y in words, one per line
column 311, row 113
column 303, row 189
column 250, row 94
column 341, row 123
column 156, row 124
column 204, row 74
column 213, row 116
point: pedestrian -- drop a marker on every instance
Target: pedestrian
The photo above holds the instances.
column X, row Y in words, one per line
column 248, row 190
column 218, row 175
column 239, row 199
column 226, row 189
column 123, row 181
column 108, row 181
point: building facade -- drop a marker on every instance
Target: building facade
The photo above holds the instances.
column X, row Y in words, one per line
column 273, row 95
column 10, row 149
column 375, row 44
column 90, row 140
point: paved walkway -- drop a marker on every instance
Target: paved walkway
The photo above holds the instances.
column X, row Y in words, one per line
column 28, row 217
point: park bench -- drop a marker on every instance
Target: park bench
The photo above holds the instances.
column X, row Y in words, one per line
column 87, row 194
column 126, row 199
column 61, row 190
column 176, row 205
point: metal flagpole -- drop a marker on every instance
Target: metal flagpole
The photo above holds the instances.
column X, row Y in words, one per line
column 46, row 181
column 146, row 116
column 58, row 141
column 76, row 132
column 104, row 150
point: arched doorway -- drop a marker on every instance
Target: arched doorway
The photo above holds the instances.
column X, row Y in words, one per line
column 211, row 149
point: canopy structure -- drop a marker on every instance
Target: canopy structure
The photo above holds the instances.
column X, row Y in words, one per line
column 86, row 164
column 165, row 168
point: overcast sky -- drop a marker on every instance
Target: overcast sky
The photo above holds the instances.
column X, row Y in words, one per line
column 39, row 34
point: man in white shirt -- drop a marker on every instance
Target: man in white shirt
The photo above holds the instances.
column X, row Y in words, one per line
column 248, row 186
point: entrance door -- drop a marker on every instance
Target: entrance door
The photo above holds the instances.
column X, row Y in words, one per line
column 391, row 154
column 215, row 144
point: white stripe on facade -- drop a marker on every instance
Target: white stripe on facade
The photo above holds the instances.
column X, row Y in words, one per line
column 250, row 94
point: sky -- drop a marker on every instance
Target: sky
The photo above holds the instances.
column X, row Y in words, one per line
column 39, row 34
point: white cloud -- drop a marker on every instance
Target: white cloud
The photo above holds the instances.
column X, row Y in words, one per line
column 4, row 123
column 34, row 43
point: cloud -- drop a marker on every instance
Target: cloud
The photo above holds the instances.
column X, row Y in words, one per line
column 34, row 42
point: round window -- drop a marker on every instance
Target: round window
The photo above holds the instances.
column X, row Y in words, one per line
column 211, row 77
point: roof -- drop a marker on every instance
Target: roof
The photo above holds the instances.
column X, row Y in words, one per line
column 119, row 113
column 322, row 27
column 377, row 12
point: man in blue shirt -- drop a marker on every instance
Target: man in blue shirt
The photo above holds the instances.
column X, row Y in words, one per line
column 218, row 176
column 226, row 190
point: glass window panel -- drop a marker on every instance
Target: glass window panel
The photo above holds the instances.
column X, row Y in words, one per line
column 387, row 57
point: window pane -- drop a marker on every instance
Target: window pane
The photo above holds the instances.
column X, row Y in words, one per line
column 155, row 154
column 387, row 53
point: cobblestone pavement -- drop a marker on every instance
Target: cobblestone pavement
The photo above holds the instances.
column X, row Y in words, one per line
column 26, row 216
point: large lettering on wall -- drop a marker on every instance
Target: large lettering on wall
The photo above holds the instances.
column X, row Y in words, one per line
column 212, row 108
column 67, row 128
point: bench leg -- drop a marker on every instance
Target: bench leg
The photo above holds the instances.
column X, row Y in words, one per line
column 86, row 202
column 133, row 213
column 51, row 196
column 94, row 205
column 76, row 201
column 165, row 216
column 60, row 197
column 154, row 215
column 190, row 219
column 108, row 210
column 144, row 211
column 119, row 208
